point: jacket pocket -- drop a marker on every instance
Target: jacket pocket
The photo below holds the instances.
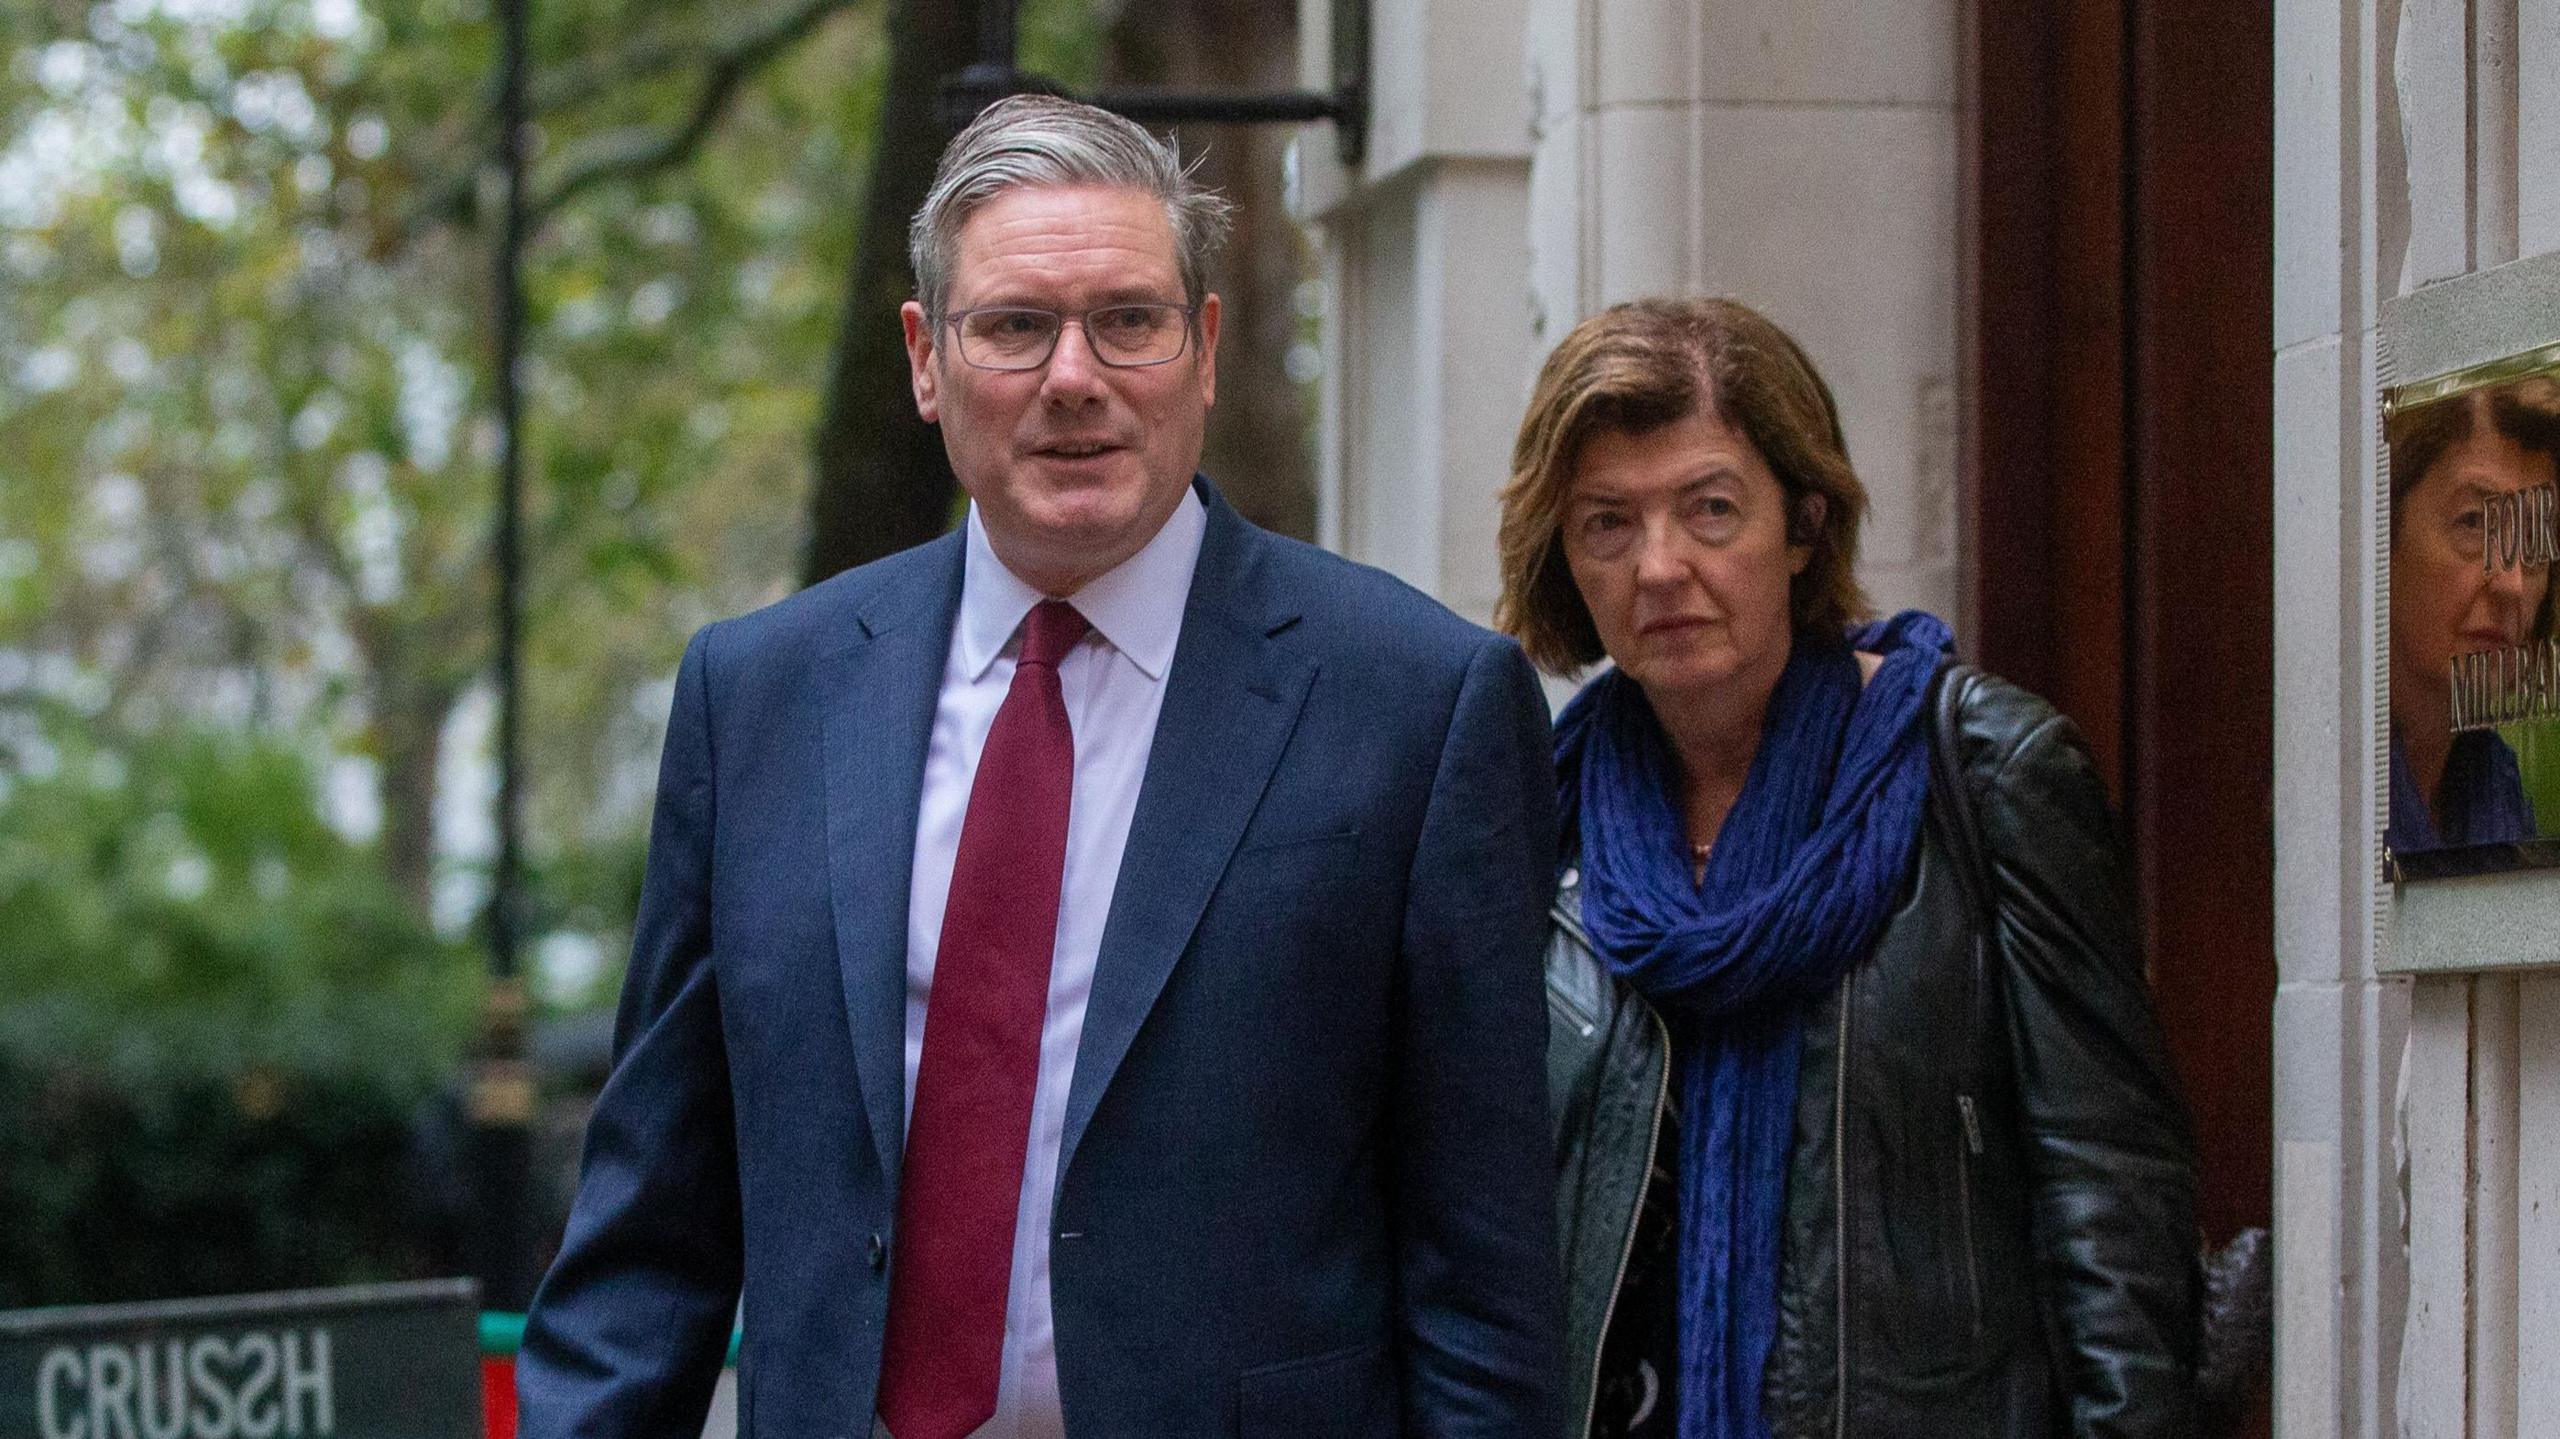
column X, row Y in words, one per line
column 1346, row 1394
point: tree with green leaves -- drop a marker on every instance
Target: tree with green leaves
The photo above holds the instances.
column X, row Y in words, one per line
column 243, row 346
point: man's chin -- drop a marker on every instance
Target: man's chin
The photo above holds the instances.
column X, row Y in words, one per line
column 1083, row 514
column 1079, row 534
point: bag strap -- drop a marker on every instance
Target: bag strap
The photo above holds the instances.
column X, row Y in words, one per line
column 1946, row 765
column 2233, row 1302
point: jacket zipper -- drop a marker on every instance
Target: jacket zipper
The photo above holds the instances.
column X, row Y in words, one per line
column 1840, row 1210
column 1964, row 1202
column 1627, row 1250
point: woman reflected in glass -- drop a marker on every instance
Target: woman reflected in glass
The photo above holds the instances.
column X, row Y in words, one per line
column 2451, row 461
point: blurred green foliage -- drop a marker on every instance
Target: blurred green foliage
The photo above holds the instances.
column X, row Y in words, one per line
column 244, row 328
column 181, row 1183
column 246, row 455
column 245, row 422
column 216, row 1021
column 2538, row 757
column 179, row 904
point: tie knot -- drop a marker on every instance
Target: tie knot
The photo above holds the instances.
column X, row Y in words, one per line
column 1051, row 630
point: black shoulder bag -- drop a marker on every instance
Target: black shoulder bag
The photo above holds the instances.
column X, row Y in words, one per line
column 2235, row 1345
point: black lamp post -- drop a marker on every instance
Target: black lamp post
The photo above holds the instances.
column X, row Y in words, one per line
column 500, row 1101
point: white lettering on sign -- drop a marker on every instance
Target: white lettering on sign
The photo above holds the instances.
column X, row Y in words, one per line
column 261, row 1385
column 56, row 1375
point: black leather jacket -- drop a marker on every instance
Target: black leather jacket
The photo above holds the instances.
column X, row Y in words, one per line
column 1990, row 1212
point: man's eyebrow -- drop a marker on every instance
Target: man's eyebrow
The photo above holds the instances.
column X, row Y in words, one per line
column 1135, row 295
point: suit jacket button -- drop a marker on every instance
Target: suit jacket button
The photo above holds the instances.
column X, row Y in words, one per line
column 879, row 1253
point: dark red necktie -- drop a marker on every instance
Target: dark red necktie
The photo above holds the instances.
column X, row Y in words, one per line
column 962, row 1179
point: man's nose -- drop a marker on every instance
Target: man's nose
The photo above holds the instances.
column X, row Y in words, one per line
column 1073, row 374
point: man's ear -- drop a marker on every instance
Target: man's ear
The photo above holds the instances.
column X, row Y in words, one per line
column 920, row 371
column 1208, row 323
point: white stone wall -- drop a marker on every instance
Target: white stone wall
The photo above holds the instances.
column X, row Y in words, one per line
column 2477, row 87
column 2416, row 140
column 2338, row 1030
column 1802, row 156
column 1428, row 346
column 1533, row 160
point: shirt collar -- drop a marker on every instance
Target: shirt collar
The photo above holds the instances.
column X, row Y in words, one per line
column 1135, row 606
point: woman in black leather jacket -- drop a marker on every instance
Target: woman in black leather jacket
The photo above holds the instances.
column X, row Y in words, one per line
column 1863, row 1121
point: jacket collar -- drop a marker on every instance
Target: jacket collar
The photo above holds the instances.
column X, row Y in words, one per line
column 1232, row 698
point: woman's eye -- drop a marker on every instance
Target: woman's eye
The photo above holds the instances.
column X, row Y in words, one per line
column 1714, row 511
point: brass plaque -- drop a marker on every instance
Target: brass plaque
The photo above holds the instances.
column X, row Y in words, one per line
column 2473, row 657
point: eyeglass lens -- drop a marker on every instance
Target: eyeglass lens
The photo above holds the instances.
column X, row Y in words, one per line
column 1021, row 339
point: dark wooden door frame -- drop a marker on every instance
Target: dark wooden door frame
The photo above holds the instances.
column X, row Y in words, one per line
column 2117, row 237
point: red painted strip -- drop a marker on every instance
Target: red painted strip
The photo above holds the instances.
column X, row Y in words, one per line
column 498, row 1396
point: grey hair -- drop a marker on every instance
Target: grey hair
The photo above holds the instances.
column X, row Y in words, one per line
column 1043, row 140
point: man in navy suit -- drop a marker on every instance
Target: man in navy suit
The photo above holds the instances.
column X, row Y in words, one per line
column 1087, row 981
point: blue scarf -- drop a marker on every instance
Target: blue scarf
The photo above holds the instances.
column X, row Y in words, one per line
column 2482, row 794
column 1809, row 864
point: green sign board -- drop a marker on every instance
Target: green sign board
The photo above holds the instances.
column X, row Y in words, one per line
column 385, row 1361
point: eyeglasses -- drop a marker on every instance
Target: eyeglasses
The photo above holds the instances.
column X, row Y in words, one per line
column 1004, row 337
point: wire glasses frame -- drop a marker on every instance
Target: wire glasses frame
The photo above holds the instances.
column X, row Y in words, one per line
column 1123, row 336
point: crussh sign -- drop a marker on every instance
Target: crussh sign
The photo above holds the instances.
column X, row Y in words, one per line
column 263, row 1384
column 376, row 1362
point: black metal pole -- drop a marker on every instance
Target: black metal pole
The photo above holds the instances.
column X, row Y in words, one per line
column 503, row 960
column 988, row 78
column 501, row 1097
column 996, row 24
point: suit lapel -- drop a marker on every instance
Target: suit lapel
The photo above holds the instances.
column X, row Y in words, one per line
column 1231, row 701
column 878, row 696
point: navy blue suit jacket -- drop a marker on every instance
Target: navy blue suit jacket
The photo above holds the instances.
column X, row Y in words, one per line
column 1305, row 1188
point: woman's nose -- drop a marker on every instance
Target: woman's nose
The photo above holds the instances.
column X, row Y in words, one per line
column 1658, row 552
column 2505, row 592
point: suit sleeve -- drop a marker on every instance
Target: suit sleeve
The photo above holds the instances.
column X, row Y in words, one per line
column 1479, row 1286
column 628, row 1332
column 2110, row 1157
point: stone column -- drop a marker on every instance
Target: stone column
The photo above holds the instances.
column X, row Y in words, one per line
column 1428, row 346
column 2413, row 144
column 1799, row 155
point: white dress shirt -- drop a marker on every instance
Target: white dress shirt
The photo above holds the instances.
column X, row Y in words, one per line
column 1113, row 681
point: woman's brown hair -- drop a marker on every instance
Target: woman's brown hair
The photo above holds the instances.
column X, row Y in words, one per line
column 1634, row 368
column 2526, row 411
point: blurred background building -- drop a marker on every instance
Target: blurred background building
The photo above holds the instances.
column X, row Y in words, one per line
column 2096, row 284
